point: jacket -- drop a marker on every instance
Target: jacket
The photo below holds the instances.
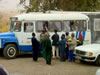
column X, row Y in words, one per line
column 72, row 44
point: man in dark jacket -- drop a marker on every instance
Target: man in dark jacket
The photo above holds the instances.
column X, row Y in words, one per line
column 55, row 39
column 35, row 47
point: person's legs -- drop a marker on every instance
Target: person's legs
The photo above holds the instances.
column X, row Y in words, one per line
column 48, row 59
column 61, row 56
column 69, row 55
column 73, row 59
column 53, row 51
column 67, row 52
column 57, row 51
column 35, row 55
column 64, row 56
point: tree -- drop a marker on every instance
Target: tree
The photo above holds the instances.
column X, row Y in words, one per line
column 64, row 5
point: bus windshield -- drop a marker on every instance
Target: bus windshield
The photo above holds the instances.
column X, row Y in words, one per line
column 15, row 26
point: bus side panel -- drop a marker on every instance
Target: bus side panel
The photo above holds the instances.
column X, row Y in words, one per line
column 86, row 36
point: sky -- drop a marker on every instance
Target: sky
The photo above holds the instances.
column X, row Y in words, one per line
column 9, row 5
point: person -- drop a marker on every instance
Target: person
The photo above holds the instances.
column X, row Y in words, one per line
column 3, row 71
column 35, row 47
column 80, row 40
column 67, row 48
column 71, row 26
column 71, row 43
column 47, row 49
column 62, row 50
column 45, row 26
column 42, row 36
column 55, row 39
column 63, row 35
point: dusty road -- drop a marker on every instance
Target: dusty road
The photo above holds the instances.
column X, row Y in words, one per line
column 24, row 65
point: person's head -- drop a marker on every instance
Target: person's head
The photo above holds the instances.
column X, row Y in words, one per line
column 62, row 37
column 55, row 31
column 71, row 23
column 67, row 33
column 33, row 34
column 45, row 24
column 72, row 35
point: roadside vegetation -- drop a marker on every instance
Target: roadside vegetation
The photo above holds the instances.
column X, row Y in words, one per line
column 5, row 20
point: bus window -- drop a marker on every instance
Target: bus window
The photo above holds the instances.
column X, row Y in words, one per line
column 55, row 25
column 28, row 27
column 80, row 25
column 15, row 26
column 66, row 26
column 75, row 26
column 41, row 25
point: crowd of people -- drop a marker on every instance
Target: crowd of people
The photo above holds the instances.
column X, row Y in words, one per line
column 57, row 49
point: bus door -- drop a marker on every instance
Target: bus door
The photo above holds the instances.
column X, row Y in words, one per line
column 28, row 28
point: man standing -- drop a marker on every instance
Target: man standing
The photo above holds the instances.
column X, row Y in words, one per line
column 35, row 47
column 55, row 39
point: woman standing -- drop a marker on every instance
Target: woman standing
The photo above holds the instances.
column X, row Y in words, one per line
column 47, row 49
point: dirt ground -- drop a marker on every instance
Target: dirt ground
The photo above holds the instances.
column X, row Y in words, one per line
column 24, row 65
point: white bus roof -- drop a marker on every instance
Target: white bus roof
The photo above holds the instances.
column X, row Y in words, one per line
column 51, row 16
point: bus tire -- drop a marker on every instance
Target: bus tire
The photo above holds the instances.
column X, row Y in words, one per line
column 10, row 51
column 98, row 61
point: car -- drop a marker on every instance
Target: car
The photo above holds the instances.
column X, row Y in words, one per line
column 88, row 53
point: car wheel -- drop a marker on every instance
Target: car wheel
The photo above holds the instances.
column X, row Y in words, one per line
column 10, row 51
column 97, row 60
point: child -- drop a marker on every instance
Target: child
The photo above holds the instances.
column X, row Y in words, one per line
column 71, row 43
column 62, row 48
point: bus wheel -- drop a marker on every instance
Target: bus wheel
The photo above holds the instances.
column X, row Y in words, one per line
column 10, row 51
column 98, row 61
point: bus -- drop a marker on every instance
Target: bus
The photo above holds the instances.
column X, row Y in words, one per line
column 18, row 39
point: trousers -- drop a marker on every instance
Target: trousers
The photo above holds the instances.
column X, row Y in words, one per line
column 71, row 56
column 55, row 49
